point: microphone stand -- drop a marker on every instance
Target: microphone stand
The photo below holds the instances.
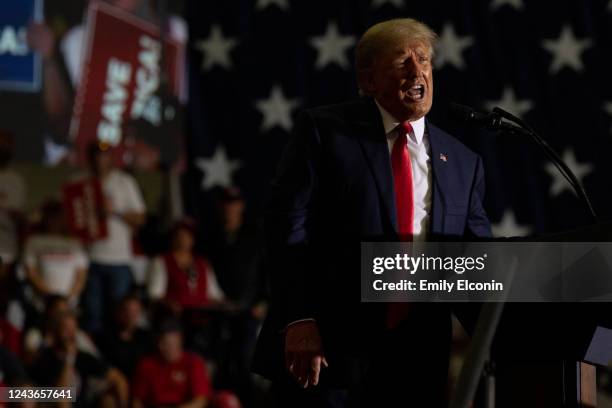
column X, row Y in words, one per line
column 478, row 364
column 524, row 129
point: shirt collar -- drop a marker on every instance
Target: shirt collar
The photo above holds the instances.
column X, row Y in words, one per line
column 390, row 123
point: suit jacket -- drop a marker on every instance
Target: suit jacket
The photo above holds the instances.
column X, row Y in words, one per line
column 333, row 190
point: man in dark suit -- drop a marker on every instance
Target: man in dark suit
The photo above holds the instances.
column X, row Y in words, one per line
column 372, row 169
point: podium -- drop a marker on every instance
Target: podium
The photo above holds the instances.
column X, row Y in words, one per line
column 543, row 354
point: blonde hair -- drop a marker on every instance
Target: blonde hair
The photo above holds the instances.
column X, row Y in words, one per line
column 387, row 33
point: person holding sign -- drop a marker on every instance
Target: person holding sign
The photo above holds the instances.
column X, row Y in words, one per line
column 110, row 274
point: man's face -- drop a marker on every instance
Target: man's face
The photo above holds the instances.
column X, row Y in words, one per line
column 66, row 331
column 103, row 162
column 171, row 346
column 401, row 80
column 130, row 315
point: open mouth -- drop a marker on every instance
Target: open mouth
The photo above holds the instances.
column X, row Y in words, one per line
column 416, row 92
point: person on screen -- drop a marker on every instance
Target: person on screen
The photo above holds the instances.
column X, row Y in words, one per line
column 62, row 62
column 373, row 169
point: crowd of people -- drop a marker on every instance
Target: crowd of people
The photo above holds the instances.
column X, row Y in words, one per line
column 74, row 313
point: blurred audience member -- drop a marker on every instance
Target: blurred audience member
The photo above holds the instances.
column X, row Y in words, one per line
column 12, row 373
column 171, row 376
column 110, row 275
column 180, row 278
column 236, row 254
column 128, row 341
column 40, row 335
column 12, row 201
column 55, row 263
column 62, row 364
column 11, row 336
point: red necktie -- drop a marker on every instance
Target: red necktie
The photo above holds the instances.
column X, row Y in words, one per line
column 402, row 178
column 404, row 204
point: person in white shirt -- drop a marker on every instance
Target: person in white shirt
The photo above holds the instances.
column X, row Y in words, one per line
column 110, row 275
column 55, row 263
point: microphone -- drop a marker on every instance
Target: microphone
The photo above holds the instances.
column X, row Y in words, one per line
column 471, row 117
column 494, row 121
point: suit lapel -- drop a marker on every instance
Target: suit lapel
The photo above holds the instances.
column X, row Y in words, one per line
column 374, row 143
column 440, row 179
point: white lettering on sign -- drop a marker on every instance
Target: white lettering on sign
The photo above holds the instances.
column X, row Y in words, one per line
column 13, row 41
column 118, row 76
column 146, row 105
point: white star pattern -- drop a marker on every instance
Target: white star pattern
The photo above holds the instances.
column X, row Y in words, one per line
column 566, row 50
column 396, row 3
column 451, row 47
column 516, row 4
column 509, row 227
column 560, row 184
column 281, row 4
column 510, row 103
column 217, row 169
column 332, row 47
column 276, row 110
column 216, row 49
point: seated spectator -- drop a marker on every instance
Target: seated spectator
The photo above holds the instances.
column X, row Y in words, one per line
column 55, row 262
column 124, row 345
column 62, row 364
column 180, row 278
column 12, row 372
column 171, row 376
column 40, row 336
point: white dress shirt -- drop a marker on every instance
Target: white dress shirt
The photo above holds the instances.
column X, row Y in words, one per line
column 418, row 146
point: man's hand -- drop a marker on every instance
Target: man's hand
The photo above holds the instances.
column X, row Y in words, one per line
column 304, row 352
column 41, row 38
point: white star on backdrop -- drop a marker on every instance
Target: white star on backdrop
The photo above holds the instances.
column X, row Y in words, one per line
column 332, row 47
column 560, row 184
column 451, row 47
column 509, row 227
column 517, row 4
column 510, row 103
column 217, row 169
column 396, row 3
column 276, row 110
column 281, row 4
column 608, row 108
column 566, row 50
column 216, row 49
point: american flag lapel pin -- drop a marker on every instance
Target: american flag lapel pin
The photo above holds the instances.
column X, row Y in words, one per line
column 443, row 157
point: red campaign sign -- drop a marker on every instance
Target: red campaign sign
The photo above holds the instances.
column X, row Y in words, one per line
column 83, row 201
column 120, row 78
